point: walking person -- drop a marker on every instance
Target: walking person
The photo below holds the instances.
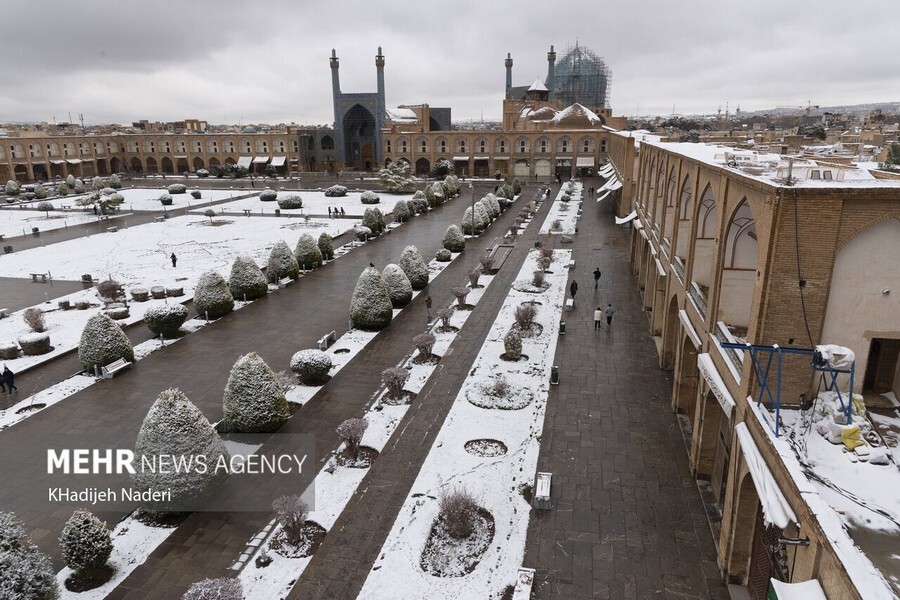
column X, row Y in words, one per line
column 9, row 378
column 428, row 307
column 573, row 288
column 342, row 212
column 174, row 259
column 596, row 278
column 329, row 212
column 609, row 311
column 598, row 316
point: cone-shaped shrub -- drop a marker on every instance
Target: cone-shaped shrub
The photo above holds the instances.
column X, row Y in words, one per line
column 379, row 217
column 326, row 247
column 25, row 571
column 85, row 543
column 103, row 342
column 166, row 319
column 430, row 197
column 443, row 255
column 454, row 241
column 114, row 181
column 62, row 189
column 282, row 263
column 398, row 285
column 254, row 401
column 483, row 213
column 467, row 223
column 415, row 268
column 247, row 280
column 495, row 205
column 175, row 427
column 512, row 344
column 402, row 211
column 370, row 221
column 517, row 187
column 212, row 296
column 438, row 190
column 311, row 366
column 370, row 306
column 307, row 252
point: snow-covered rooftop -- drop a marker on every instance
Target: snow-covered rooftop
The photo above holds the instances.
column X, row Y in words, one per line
column 402, row 115
column 537, row 86
column 577, row 115
column 542, row 114
column 639, row 135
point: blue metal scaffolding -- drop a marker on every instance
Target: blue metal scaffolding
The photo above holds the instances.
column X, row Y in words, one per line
column 819, row 363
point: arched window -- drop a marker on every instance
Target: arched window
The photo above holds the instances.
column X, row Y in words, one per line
column 543, row 145
column 404, row 145
column 247, row 146
column 587, row 145
column 198, row 146
column 327, row 142
column 603, row 145
column 422, row 145
column 166, row 147
column 461, row 145
column 212, row 146
column 148, row 146
column 262, row 146
column 387, row 146
column 500, row 145
column 481, row 146
column 442, row 145
column 522, row 145
column 564, row 145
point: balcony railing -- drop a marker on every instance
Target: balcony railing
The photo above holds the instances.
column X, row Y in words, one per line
column 734, row 357
column 699, row 298
column 678, row 267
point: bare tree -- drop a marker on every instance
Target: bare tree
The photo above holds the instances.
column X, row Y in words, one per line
column 394, row 378
column 461, row 293
column 34, row 318
column 291, row 512
column 351, row 431
column 524, row 315
column 458, row 511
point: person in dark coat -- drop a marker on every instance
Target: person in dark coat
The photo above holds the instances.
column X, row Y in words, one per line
column 573, row 288
column 428, row 307
column 609, row 311
column 174, row 259
column 596, row 278
column 342, row 212
column 9, row 378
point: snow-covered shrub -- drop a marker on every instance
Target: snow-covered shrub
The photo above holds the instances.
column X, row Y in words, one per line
column 35, row 344
column 394, row 378
column 177, row 188
column 253, row 400
column 460, row 293
column 25, row 571
column 307, row 252
column 247, row 281
column 290, row 201
column 487, row 263
column 438, row 190
column 415, row 268
column 212, row 298
column 174, row 426
column 418, row 205
column 443, row 255
column 351, row 431
column 399, row 288
column 370, row 221
column 429, row 197
column 311, row 366
column 474, row 275
column 396, row 176
column 103, row 342
column 363, row 233
column 326, row 247
column 544, row 263
column 420, row 195
column 467, row 222
column 78, row 186
column 45, row 206
column 512, row 344
column 537, row 278
column 458, row 510
column 369, row 197
column 40, row 192
column 165, row 200
column 70, row 180
column 196, row 195
column 62, row 189
column 223, row 588
column 114, row 182
column 202, row 173
column 96, row 183
column 118, row 313
column 556, row 225
column 85, row 543
column 109, row 289
column 336, row 191
column 370, row 306
column 291, row 513
column 166, row 319
column 282, row 263
column 268, row 195
column 209, row 213
column 424, row 343
column 107, row 191
column 444, row 314
column 496, row 209
column 491, row 205
column 454, row 241
column 516, row 186
column 402, row 211
column 12, row 188
column 481, row 212
column 34, row 318
column 524, row 315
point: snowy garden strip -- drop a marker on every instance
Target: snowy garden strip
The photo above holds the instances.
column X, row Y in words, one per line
column 15, row 222
column 494, row 481
column 564, row 212
column 334, row 490
column 314, row 203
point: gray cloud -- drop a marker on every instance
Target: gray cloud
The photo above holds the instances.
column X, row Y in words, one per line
column 229, row 61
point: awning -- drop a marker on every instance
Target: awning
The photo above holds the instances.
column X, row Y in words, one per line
column 688, row 327
column 278, row 161
column 501, row 158
column 73, row 161
column 465, row 158
column 482, row 157
column 805, row 590
column 627, row 218
column 57, row 162
column 244, row 161
column 184, row 156
column 638, row 224
column 584, row 161
column 603, row 197
column 776, row 509
column 260, row 160
column 616, row 184
column 714, row 381
column 659, row 268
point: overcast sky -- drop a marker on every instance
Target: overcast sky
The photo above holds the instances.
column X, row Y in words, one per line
column 267, row 62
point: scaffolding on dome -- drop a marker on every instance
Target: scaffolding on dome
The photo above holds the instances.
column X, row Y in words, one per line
column 582, row 77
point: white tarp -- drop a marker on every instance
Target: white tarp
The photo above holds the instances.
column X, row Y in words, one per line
column 584, row 161
column 57, row 162
column 244, row 161
column 630, row 216
column 776, row 510
column 278, row 161
column 465, row 158
column 605, row 194
column 805, row 590
column 261, row 160
column 688, row 327
column 73, row 161
column 708, row 369
column 616, row 184
column 839, row 356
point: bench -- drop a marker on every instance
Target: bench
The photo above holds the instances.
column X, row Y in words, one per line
column 524, row 582
column 4, row 312
column 571, row 265
column 7, row 249
column 570, row 303
column 112, row 229
column 247, row 212
column 500, row 253
column 1, row 237
column 284, row 281
column 110, row 370
column 160, row 219
column 103, row 217
column 326, row 340
column 43, row 276
column 542, row 490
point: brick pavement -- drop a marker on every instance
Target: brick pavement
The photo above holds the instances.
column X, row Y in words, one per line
column 626, row 519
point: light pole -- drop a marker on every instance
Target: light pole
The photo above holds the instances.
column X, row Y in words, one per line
column 472, row 189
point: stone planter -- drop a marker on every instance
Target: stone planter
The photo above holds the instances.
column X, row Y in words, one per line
column 158, row 292
column 9, row 350
column 174, row 292
column 34, row 344
column 64, row 305
column 117, row 313
column 140, row 295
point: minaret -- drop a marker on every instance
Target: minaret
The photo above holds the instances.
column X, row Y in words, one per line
column 335, row 78
column 509, row 63
column 336, row 98
column 381, row 109
column 551, row 73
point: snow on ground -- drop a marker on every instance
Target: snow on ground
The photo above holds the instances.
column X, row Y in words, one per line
column 844, row 497
column 17, row 221
column 133, row 542
column 314, row 203
column 148, row 199
column 564, row 212
column 494, row 481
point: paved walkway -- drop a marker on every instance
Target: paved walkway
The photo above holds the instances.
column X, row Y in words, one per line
column 626, row 518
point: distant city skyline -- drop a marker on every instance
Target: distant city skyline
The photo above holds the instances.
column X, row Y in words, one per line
column 226, row 62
